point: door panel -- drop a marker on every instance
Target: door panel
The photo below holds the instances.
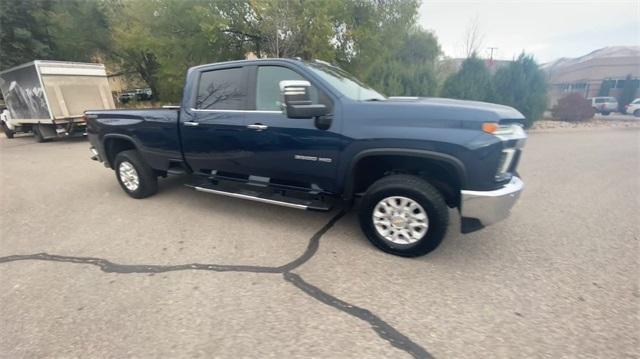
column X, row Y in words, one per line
column 291, row 151
column 213, row 132
column 216, row 142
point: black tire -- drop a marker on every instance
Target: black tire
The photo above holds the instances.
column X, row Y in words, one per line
column 37, row 134
column 636, row 113
column 605, row 113
column 7, row 132
column 147, row 180
column 418, row 190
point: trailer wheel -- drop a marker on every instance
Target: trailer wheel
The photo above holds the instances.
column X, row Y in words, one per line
column 7, row 131
column 135, row 176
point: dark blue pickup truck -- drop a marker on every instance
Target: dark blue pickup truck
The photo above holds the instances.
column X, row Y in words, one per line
column 308, row 135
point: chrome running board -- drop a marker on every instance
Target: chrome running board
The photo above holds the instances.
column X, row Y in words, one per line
column 252, row 194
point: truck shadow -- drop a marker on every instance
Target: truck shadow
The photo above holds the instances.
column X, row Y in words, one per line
column 350, row 237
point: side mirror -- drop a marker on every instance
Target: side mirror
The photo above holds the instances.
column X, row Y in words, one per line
column 296, row 100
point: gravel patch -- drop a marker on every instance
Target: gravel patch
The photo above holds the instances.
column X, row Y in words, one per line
column 548, row 124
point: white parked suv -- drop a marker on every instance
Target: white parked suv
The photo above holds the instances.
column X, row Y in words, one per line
column 604, row 105
column 633, row 108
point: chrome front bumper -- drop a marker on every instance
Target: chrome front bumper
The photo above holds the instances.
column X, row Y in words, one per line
column 489, row 207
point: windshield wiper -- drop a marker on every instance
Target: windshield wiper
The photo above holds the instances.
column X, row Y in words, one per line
column 374, row 99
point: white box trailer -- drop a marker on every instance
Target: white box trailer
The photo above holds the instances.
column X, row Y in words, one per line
column 48, row 98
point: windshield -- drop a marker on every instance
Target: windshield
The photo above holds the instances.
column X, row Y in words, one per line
column 346, row 83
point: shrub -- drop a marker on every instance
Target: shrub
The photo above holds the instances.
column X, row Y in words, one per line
column 573, row 107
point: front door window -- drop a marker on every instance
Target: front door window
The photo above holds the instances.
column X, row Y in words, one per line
column 268, row 96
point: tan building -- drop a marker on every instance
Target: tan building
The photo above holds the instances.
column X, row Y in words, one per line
column 600, row 73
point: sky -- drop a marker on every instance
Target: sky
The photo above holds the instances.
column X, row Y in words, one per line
column 545, row 28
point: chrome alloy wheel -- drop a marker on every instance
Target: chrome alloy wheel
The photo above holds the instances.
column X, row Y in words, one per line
column 128, row 176
column 400, row 220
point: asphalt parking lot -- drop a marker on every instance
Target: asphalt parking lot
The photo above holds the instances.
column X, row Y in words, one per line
column 87, row 271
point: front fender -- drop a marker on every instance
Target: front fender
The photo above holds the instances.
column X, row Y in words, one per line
column 447, row 159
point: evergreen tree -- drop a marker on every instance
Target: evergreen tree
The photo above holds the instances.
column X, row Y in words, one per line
column 628, row 92
column 472, row 82
column 522, row 85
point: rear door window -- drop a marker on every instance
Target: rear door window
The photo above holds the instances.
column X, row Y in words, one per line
column 223, row 89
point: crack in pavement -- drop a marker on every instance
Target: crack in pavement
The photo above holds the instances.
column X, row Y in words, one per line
column 382, row 328
column 111, row 267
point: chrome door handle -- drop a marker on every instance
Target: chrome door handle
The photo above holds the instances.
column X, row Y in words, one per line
column 258, row 127
column 190, row 123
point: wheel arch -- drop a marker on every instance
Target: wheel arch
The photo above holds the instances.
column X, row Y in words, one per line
column 116, row 143
column 446, row 172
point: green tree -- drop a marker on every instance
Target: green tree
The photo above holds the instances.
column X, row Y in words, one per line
column 379, row 42
column 444, row 67
column 522, row 85
column 279, row 28
column 472, row 82
column 161, row 39
column 22, row 36
column 78, row 29
column 605, row 87
column 73, row 30
column 410, row 69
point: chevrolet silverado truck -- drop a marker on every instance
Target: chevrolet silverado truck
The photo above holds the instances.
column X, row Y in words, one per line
column 308, row 135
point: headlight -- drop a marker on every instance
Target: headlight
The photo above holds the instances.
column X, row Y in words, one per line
column 512, row 131
column 513, row 137
column 503, row 174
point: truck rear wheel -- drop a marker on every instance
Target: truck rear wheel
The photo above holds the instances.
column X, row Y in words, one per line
column 37, row 134
column 404, row 215
column 135, row 176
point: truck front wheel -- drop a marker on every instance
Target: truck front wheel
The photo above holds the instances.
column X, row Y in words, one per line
column 404, row 215
column 135, row 176
column 7, row 131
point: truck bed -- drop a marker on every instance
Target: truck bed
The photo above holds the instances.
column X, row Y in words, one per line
column 154, row 131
